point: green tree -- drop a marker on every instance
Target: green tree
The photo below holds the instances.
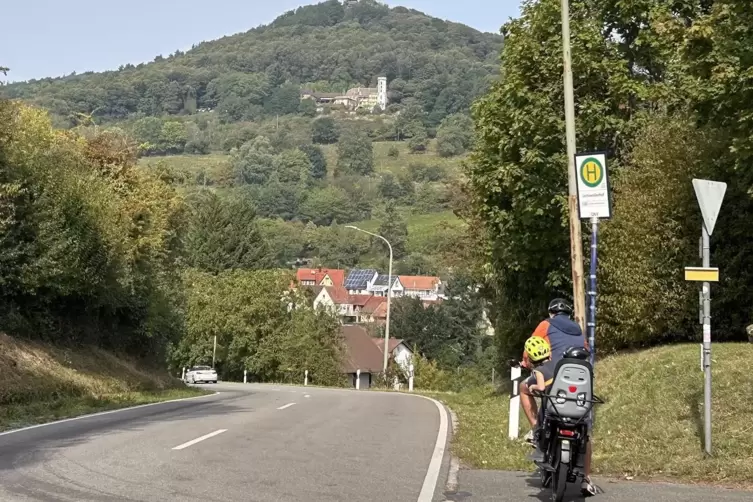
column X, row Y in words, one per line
column 328, row 204
column 307, row 108
column 293, row 166
column 173, row 137
column 335, row 246
column 254, row 162
column 148, row 133
column 223, row 234
column 317, row 160
column 455, row 135
column 324, row 131
column 418, row 141
column 395, row 230
column 279, row 200
column 355, row 154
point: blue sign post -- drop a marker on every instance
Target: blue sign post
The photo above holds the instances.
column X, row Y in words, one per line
column 594, row 203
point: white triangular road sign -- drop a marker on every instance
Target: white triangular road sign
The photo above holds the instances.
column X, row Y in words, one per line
column 710, row 195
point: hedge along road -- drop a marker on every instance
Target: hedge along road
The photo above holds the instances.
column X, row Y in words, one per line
column 249, row 442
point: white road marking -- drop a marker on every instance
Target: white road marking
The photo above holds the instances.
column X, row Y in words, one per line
column 202, row 438
column 101, row 413
column 432, row 474
column 306, row 395
column 286, row 406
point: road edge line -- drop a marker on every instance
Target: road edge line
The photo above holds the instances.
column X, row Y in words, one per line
column 452, row 475
column 101, row 413
column 435, row 464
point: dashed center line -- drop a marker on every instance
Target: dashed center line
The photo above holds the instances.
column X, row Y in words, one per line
column 306, row 395
column 202, row 438
column 286, row 406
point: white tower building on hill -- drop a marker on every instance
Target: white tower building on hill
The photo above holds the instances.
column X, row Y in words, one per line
column 382, row 92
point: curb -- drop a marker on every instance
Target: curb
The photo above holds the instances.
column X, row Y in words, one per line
column 451, row 486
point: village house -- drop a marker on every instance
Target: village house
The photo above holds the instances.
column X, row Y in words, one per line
column 353, row 99
column 360, row 280
column 364, row 353
column 380, row 286
column 423, row 287
column 399, row 352
column 374, row 311
column 336, row 300
column 320, row 277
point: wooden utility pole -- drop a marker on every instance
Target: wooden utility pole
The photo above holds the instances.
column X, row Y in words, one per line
column 576, row 244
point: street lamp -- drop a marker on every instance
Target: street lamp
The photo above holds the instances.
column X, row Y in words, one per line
column 389, row 296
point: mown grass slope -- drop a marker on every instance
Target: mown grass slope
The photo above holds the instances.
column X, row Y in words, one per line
column 41, row 383
column 651, row 425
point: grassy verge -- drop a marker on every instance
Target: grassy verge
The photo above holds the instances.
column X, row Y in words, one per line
column 42, row 383
column 651, row 426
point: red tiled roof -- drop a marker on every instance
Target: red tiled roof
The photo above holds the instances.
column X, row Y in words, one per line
column 360, row 300
column 422, row 282
column 360, row 352
column 381, row 311
column 374, row 303
column 318, row 274
column 338, row 294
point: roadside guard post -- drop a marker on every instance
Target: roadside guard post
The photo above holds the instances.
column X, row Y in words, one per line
column 306, row 378
column 710, row 195
column 410, row 378
column 358, row 379
column 594, row 203
column 513, row 422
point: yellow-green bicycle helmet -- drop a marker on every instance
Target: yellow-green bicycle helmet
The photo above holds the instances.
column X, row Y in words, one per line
column 537, row 349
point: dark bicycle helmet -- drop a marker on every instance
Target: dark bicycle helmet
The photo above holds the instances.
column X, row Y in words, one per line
column 581, row 353
column 558, row 305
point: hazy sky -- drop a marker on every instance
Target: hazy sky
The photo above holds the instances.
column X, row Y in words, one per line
column 50, row 38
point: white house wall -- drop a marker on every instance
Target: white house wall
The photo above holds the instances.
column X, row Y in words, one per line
column 402, row 355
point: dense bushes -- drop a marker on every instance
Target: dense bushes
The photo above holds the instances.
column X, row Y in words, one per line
column 89, row 241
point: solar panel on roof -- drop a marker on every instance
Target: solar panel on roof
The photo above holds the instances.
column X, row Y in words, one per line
column 358, row 278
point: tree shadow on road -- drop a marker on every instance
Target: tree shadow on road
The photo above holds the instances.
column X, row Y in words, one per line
column 26, row 448
column 545, row 495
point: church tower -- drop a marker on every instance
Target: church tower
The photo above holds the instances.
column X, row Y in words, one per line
column 382, row 92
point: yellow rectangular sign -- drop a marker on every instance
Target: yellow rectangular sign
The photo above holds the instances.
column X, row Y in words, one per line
column 702, row 274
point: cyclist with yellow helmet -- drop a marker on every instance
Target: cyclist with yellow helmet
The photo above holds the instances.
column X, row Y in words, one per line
column 540, row 355
column 548, row 344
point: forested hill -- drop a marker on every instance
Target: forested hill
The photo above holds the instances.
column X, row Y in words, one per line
column 327, row 47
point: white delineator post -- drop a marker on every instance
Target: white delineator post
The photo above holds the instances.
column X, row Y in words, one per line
column 358, row 379
column 183, row 375
column 245, row 376
column 306, row 378
column 514, row 419
column 410, row 379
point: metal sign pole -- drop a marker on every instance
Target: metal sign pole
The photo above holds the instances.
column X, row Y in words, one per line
column 710, row 195
column 706, row 345
column 592, row 291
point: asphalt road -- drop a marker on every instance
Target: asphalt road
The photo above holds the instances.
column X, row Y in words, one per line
column 247, row 443
column 498, row 486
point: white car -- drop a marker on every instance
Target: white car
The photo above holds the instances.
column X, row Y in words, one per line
column 201, row 374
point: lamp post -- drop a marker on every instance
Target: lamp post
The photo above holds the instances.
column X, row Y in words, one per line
column 389, row 296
